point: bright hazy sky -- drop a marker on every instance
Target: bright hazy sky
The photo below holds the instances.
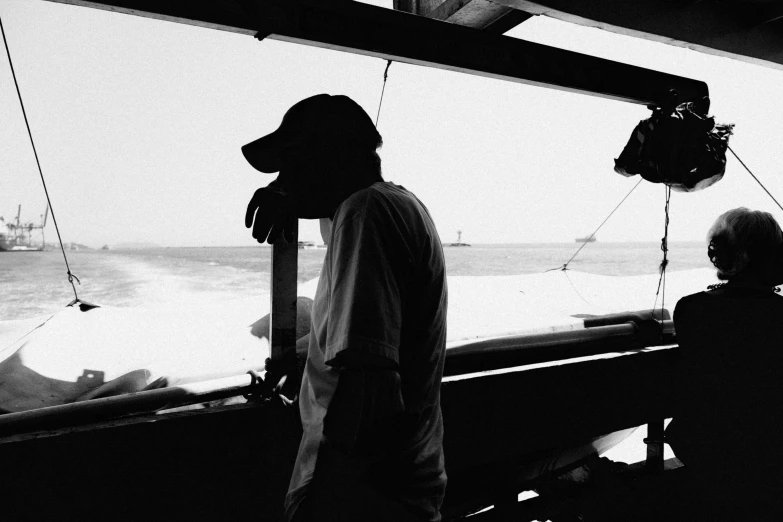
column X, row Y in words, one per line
column 139, row 124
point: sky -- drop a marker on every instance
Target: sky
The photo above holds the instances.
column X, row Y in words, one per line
column 138, row 125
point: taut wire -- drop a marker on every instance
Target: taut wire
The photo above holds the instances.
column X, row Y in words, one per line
column 383, row 89
column 71, row 277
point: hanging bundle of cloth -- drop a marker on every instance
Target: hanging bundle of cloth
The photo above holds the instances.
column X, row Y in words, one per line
column 678, row 145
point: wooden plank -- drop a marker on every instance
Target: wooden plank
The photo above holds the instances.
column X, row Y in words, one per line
column 373, row 31
column 282, row 327
column 480, row 14
column 507, row 22
column 477, row 14
column 739, row 30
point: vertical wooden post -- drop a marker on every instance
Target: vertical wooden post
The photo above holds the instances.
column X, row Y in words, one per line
column 654, row 441
column 282, row 326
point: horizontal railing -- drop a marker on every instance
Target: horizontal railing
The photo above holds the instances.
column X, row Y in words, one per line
column 483, row 355
column 52, row 417
column 524, row 349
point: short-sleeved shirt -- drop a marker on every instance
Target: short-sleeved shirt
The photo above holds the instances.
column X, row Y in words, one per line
column 382, row 290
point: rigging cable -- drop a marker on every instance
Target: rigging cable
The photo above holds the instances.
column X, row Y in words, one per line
column 749, row 171
column 565, row 272
column 380, row 103
column 754, row 177
column 665, row 260
column 565, row 266
column 71, row 277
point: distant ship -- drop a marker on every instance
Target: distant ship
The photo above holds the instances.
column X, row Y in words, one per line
column 309, row 245
column 459, row 242
column 589, row 239
column 16, row 236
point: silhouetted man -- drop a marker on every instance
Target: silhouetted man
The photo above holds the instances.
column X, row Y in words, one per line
column 370, row 397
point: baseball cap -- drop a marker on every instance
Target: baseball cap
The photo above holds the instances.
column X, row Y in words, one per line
column 332, row 117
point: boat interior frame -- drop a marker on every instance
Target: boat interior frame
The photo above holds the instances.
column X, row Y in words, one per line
column 117, row 455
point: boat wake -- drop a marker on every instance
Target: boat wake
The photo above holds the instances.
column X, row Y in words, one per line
column 176, row 334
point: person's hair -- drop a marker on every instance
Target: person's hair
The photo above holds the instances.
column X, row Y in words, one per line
column 741, row 238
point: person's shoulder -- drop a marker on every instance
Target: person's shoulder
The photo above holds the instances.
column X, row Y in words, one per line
column 693, row 298
column 379, row 195
column 386, row 190
column 774, row 301
column 687, row 303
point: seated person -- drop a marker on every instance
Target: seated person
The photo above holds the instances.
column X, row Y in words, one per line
column 304, row 307
column 728, row 425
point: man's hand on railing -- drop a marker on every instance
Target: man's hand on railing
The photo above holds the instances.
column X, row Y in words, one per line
column 284, row 376
column 271, row 214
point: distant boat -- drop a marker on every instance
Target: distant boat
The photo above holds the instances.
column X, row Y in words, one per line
column 459, row 242
column 589, row 239
column 307, row 245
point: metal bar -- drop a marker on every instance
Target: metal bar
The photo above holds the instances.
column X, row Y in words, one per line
column 93, row 410
column 525, row 349
column 546, row 340
column 517, row 342
column 282, row 327
column 383, row 33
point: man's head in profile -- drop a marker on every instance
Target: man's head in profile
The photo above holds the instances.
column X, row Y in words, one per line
column 324, row 149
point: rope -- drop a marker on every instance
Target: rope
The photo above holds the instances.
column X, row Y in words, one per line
column 383, row 89
column 746, row 168
column 71, row 277
column 574, row 287
column 754, row 177
column 565, row 266
column 665, row 249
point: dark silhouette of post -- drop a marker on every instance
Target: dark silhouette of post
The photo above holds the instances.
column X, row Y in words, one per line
column 282, row 327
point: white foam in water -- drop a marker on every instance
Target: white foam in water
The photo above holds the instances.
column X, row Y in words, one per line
column 157, row 286
column 187, row 326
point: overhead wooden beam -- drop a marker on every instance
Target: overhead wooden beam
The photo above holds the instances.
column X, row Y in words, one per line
column 507, row 22
column 373, row 31
column 746, row 31
column 478, row 14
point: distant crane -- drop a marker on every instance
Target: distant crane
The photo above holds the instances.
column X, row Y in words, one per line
column 18, row 234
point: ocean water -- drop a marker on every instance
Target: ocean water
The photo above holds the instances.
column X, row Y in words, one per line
column 35, row 283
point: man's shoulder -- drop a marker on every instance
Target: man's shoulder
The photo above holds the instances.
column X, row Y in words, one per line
column 383, row 190
column 380, row 196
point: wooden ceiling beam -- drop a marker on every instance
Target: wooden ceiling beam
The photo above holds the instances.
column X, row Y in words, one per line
column 746, row 31
column 477, row 14
column 384, row 33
